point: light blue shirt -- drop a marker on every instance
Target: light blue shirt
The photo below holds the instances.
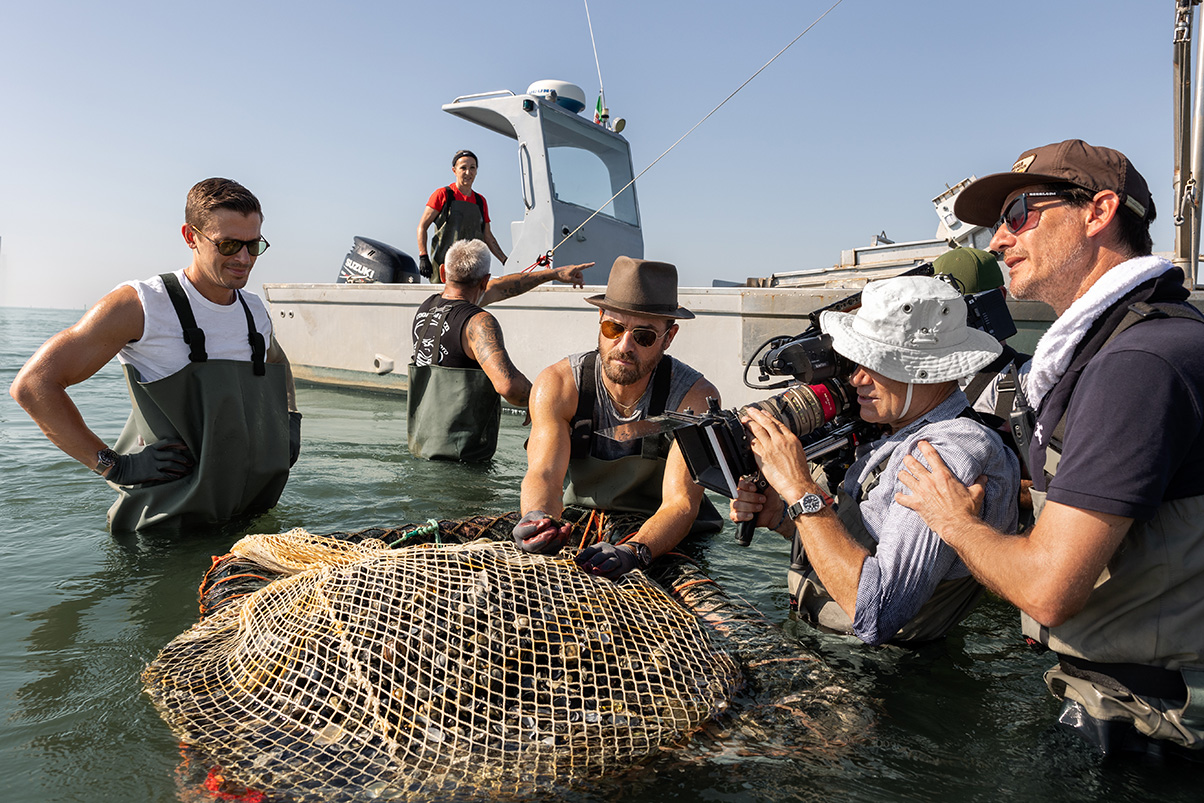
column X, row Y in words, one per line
column 911, row 560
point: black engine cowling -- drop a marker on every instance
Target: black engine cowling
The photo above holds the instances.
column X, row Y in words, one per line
column 374, row 261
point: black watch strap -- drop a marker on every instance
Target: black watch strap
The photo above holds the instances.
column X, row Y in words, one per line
column 643, row 555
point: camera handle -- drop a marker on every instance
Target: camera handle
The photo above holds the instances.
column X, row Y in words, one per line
column 744, row 529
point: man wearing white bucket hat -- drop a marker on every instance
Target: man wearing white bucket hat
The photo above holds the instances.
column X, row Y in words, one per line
column 866, row 565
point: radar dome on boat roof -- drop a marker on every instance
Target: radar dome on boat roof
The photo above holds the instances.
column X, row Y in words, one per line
column 562, row 93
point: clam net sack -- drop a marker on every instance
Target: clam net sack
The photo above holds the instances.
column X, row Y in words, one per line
column 467, row 670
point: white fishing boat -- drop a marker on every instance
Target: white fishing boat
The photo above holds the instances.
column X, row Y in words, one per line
column 578, row 190
column 579, row 200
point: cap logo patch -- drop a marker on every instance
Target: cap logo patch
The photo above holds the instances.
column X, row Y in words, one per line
column 1022, row 165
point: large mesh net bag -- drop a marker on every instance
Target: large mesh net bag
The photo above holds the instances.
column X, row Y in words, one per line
column 335, row 668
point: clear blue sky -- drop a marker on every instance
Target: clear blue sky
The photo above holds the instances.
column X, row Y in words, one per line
column 330, row 113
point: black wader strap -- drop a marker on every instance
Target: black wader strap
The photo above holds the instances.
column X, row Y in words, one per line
column 985, row 375
column 581, row 430
column 1005, row 396
column 659, row 445
column 448, row 196
column 258, row 348
column 1138, row 312
column 193, row 335
column 871, row 481
column 662, row 377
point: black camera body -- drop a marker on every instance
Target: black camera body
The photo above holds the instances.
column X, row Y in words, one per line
column 823, row 415
column 988, row 311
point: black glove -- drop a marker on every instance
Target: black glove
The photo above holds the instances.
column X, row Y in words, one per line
column 161, row 461
column 538, row 532
column 424, row 267
column 294, row 437
column 607, row 560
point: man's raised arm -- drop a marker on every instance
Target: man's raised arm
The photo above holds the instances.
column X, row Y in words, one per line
column 515, row 284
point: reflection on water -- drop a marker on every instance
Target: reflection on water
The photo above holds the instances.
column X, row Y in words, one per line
column 84, row 612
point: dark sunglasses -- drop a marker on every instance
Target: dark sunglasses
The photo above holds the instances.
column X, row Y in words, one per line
column 229, row 248
column 642, row 335
column 1015, row 215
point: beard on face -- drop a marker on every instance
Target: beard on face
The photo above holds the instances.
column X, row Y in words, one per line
column 625, row 374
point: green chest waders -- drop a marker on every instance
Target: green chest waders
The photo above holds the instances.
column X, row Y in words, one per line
column 633, row 483
column 233, row 417
column 1131, row 656
column 457, row 220
column 451, row 413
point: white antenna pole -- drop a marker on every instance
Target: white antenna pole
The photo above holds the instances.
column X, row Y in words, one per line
column 700, row 122
column 590, row 22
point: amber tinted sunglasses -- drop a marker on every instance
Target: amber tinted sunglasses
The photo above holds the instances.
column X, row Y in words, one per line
column 642, row 335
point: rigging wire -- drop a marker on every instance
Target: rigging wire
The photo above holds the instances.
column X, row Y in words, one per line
column 683, row 136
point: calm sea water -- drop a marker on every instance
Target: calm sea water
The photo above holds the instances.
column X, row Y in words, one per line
column 83, row 611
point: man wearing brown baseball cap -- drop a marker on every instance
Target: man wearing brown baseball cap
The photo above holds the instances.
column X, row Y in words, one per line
column 1111, row 577
column 628, row 378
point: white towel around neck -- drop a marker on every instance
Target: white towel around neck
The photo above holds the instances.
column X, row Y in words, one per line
column 1056, row 347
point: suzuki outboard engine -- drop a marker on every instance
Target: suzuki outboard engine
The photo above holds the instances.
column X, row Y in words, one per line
column 372, row 261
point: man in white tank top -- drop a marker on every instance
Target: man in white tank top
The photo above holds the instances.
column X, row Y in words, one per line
column 212, row 390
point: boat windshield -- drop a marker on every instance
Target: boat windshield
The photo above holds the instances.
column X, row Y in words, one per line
column 588, row 167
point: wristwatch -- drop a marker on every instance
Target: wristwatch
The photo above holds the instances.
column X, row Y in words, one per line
column 643, row 555
column 810, row 503
column 105, row 459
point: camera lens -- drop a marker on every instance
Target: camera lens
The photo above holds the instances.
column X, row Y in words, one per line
column 806, row 408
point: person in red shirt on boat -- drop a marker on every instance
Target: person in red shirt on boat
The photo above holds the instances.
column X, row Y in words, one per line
column 458, row 214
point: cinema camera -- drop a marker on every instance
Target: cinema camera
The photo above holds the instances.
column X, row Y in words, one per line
column 819, row 405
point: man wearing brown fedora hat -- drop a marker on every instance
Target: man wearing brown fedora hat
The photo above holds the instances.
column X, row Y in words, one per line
column 1111, row 576
column 629, row 377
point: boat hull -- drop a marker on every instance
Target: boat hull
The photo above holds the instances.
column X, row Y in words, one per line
column 358, row 335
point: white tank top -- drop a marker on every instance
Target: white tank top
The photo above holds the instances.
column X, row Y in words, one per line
column 161, row 351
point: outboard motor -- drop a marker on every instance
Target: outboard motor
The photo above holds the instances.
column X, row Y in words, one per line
column 373, row 261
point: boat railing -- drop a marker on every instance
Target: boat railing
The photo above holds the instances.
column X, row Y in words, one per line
column 496, row 92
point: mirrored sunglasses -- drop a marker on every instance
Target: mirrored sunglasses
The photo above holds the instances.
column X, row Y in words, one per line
column 230, row 247
column 1015, row 215
column 642, row 335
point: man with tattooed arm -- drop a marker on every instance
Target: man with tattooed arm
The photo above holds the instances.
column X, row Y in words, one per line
column 460, row 371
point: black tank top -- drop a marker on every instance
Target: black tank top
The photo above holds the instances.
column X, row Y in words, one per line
column 453, row 315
